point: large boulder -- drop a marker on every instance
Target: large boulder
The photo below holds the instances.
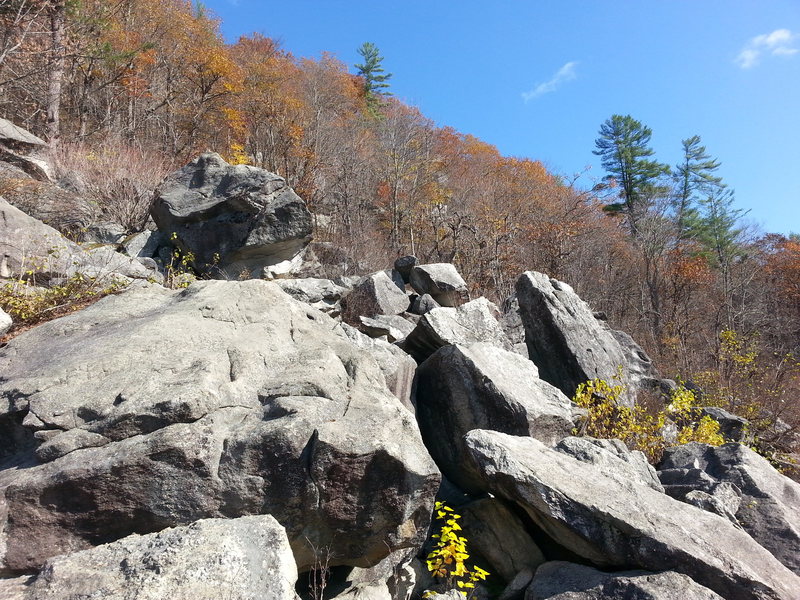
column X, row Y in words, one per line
column 617, row 523
column 571, row 346
column 769, row 504
column 233, row 219
column 27, row 244
column 480, row 386
column 377, row 294
column 248, row 558
column 472, row 322
column 567, row 581
column 441, row 281
column 222, row 400
column 5, row 322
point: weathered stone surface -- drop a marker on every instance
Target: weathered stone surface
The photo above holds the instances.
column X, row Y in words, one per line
column 248, row 558
column 251, row 403
column 403, row 266
column 248, row 217
column 480, row 386
column 144, row 244
column 68, row 212
column 393, row 327
column 565, row 340
column 612, row 458
column 513, row 327
column 770, row 502
column 618, row 523
column 366, row 591
column 515, row 590
column 732, row 427
column 26, row 244
column 441, row 281
column 472, row 322
column 423, row 304
column 498, row 536
column 377, row 294
column 5, row 322
column 567, row 581
column 322, row 294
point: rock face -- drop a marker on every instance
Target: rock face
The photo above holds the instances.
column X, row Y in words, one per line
column 480, row 386
column 567, row 581
column 250, row 218
column 5, row 322
column 253, row 403
column 26, row 244
column 621, row 524
column 769, row 504
column 247, row 559
column 441, row 281
column 469, row 323
column 568, row 344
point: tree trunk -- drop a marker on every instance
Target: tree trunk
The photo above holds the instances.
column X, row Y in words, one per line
column 57, row 13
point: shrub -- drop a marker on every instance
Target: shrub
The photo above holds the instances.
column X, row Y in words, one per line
column 640, row 428
column 447, row 561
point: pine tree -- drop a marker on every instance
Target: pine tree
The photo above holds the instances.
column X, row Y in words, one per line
column 694, row 176
column 372, row 72
column 624, row 153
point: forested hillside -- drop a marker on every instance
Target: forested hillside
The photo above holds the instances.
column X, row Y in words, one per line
column 126, row 90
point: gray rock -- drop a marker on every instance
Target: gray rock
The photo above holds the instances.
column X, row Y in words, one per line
column 248, row 558
column 366, row 591
column 322, row 294
column 423, row 304
column 472, row 322
column 732, row 427
column 724, row 502
column 393, row 327
column 513, row 327
column 618, row 523
column 480, row 386
column 144, row 244
column 567, row 581
column 515, row 590
column 377, row 294
column 62, row 443
column 612, row 458
column 233, row 219
column 16, row 588
column 221, row 400
column 770, row 502
column 5, row 322
column 16, row 134
column 441, row 281
column 565, row 340
column 498, row 536
column 403, row 266
column 105, row 233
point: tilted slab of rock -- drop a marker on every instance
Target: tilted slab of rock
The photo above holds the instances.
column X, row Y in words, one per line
column 480, row 386
column 221, row 400
column 617, row 523
column 27, row 244
column 233, row 218
column 567, row 581
column 769, row 509
column 377, row 294
column 392, row 327
column 469, row 323
column 247, row 559
column 441, row 281
column 568, row 344
column 322, row 294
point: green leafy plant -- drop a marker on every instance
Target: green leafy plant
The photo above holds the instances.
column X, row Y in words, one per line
column 447, row 561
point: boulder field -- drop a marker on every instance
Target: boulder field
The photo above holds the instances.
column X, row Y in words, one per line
column 289, row 438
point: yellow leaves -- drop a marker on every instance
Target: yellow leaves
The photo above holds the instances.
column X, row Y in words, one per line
column 448, row 559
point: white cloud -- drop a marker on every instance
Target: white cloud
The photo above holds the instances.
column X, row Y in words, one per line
column 564, row 74
column 780, row 42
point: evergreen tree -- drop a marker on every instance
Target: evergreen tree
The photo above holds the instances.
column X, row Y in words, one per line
column 694, row 175
column 372, row 72
column 624, row 153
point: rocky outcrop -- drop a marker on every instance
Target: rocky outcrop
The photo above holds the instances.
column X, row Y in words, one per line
column 620, row 524
column 768, row 503
column 472, row 322
column 569, row 345
column 233, row 219
column 246, row 558
column 27, row 244
column 441, row 281
column 253, row 403
column 567, row 581
column 480, row 386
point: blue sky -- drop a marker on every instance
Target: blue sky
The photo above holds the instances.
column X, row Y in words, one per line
column 537, row 78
